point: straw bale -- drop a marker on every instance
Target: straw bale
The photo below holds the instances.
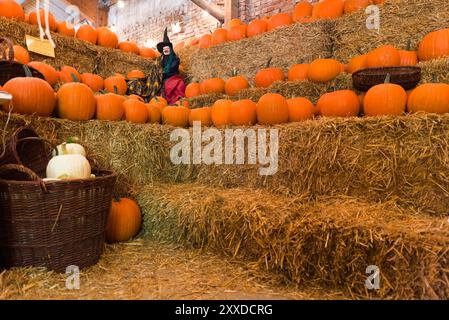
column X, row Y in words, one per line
column 80, row 54
column 329, row 242
column 287, row 45
column 400, row 21
column 405, row 159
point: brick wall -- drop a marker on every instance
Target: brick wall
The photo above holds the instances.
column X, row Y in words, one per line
column 143, row 21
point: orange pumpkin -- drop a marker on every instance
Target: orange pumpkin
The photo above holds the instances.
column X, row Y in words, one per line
column 20, row 54
column 234, row 23
column 154, row 113
column 65, row 29
column 107, row 38
column 135, row 111
column 266, row 77
column 272, row 108
column 342, row 103
column 434, row 45
column 124, row 220
column 221, row 113
column 328, row 9
column 302, row 11
column 129, row 47
column 384, row 56
column 256, row 27
column 385, row 99
column 355, row 5
column 193, row 90
column 243, row 113
column 176, row 116
column 214, row 85
column 279, row 20
column 67, row 73
column 76, row 101
column 31, row 96
column 202, row 115
column 110, row 106
column 115, row 84
column 429, row 97
column 12, row 10
column 324, row 70
column 49, row 73
column 237, row 33
column 32, row 19
column 159, row 99
column 147, row 52
column 298, row 72
column 93, row 81
column 87, row 33
column 236, row 84
column 219, row 36
column 135, row 74
column 300, row 109
column 205, row 41
column 136, row 97
column 357, row 63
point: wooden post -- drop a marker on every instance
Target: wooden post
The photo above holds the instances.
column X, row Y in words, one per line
column 231, row 10
column 212, row 10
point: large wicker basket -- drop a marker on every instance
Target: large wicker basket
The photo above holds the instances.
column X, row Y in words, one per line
column 52, row 224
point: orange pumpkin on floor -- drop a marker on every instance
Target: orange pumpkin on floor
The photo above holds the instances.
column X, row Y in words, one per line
column 266, row 77
column 65, row 29
column 87, row 33
column 176, row 116
column 324, row 70
column 342, row 103
column 221, row 113
column 49, row 73
column 124, row 220
column 298, row 72
column 385, row 99
column 107, row 38
column 272, row 108
column 67, row 75
column 135, row 111
column 202, row 115
column 76, row 101
column 93, row 81
column 384, row 56
column 32, row 19
column 116, row 85
column 300, row 109
column 110, row 106
column 12, row 10
column 256, row 27
column 429, row 97
column 243, row 113
column 31, row 96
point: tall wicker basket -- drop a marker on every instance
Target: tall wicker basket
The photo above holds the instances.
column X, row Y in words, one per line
column 52, row 224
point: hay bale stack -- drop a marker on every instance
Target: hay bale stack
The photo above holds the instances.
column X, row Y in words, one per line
column 287, row 46
column 329, row 242
column 400, row 21
column 404, row 159
column 79, row 54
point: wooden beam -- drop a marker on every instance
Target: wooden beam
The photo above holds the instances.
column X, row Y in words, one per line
column 231, row 9
column 212, row 10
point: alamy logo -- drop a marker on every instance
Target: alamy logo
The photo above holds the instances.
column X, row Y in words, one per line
column 210, row 147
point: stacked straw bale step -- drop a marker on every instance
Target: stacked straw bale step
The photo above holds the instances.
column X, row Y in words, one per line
column 329, row 242
column 82, row 55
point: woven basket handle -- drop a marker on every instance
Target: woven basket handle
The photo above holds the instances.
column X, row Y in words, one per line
column 11, row 168
column 10, row 46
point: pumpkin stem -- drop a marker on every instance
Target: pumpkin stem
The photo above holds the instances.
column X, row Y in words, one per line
column 27, row 70
column 72, row 140
column 234, row 72
column 409, row 45
column 115, row 90
column 387, row 78
column 269, row 62
column 74, row 78
column 434, row 78
column 117, row 198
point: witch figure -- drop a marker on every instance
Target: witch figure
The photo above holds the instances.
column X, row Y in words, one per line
column 173, row 86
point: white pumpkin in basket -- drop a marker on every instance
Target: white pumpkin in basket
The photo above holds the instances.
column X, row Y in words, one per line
column 68, row 166
column 71, row 147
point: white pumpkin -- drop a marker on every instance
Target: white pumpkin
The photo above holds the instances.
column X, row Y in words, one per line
column 69, row 148
column 70, row 166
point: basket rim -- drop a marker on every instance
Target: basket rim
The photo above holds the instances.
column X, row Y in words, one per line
column 107, row 174
column 370, row 71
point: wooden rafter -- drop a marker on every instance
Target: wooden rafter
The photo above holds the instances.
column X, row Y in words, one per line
column 211, row 9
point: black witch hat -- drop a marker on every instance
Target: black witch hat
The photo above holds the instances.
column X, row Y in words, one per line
column 165, row 43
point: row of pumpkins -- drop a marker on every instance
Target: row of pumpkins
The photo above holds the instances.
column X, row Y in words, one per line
column 101, row 36
column 325, row 70
column 304, row 12
column 69, row 162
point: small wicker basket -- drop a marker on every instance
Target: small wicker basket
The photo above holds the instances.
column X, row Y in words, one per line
column 407, row 77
